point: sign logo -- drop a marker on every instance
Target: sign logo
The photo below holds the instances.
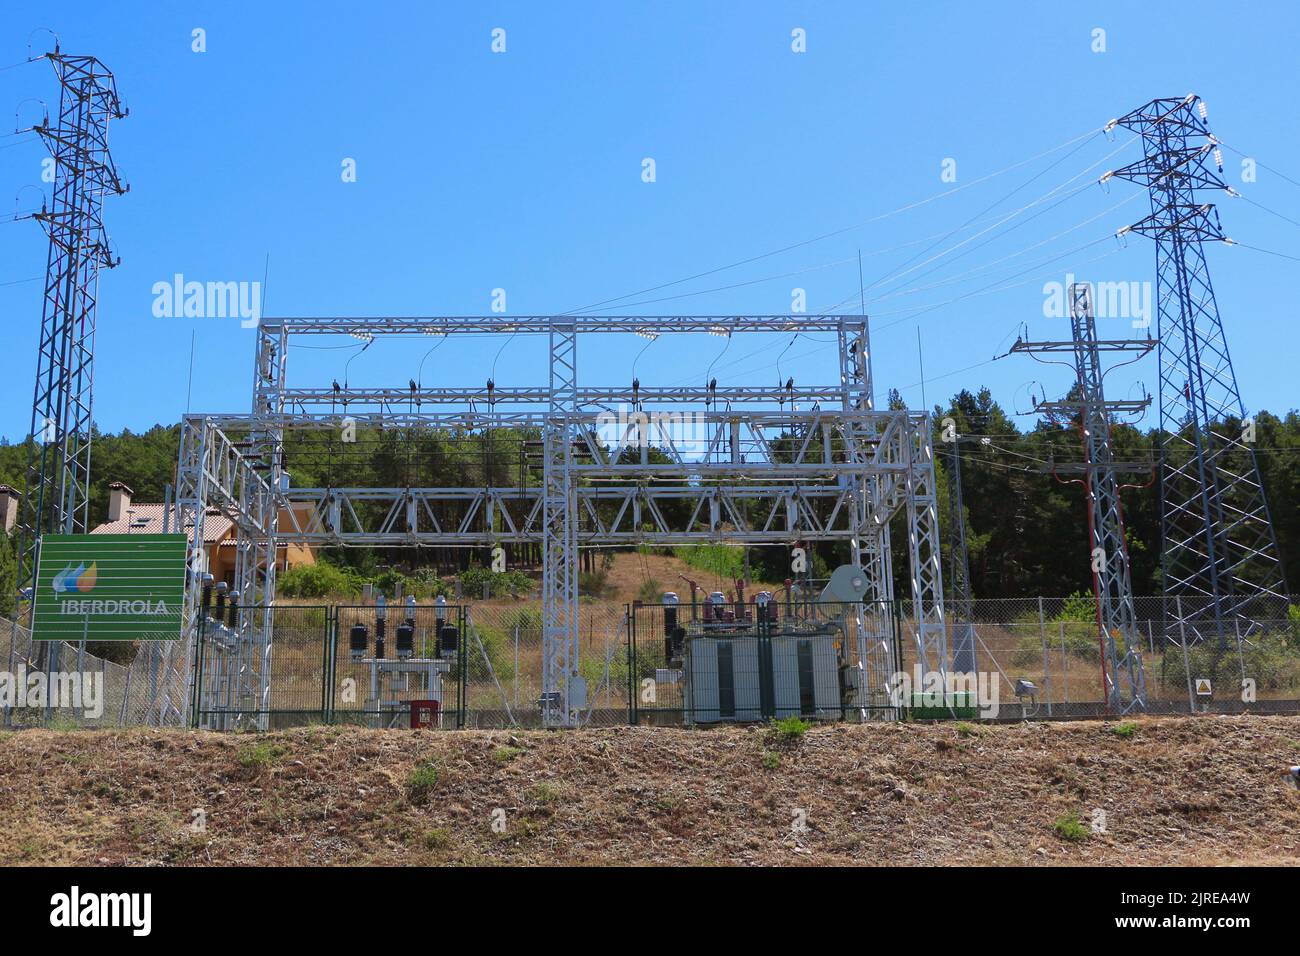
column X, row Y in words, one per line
column 80, row 581
column 109, row 587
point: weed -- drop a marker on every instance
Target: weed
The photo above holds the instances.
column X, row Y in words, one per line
column 544, row 793
column 438, row 839
column 506, row 754
column 421, row 782
column 771, row 760
column 967, row 730
column 1126, row 729
column 789, row 731
column 261, row 755
column 1070, row 827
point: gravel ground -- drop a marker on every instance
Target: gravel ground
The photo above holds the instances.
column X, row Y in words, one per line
column 1195, row 790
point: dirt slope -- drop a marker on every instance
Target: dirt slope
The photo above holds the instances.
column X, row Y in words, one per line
column 1181, row 790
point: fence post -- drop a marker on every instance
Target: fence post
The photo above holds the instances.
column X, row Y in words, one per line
column 13, row 647
column 1241, row 655
column 633, row 685
column 126, row 696
column 1151, row 642
column 1042, row 636
column 1187, row 662
column 1065, row 670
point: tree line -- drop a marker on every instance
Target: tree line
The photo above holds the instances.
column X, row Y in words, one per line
column 1026, row 529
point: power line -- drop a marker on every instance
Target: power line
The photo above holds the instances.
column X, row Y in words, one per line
column 1281, row 255
column 1275, row 172
column 1044, row 198
column 836, row 232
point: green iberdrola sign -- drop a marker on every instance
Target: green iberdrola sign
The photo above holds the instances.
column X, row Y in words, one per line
column 109, row 587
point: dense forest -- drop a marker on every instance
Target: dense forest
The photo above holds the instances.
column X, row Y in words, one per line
column 1026, row 528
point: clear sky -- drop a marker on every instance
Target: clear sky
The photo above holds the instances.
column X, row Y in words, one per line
column 523, row 171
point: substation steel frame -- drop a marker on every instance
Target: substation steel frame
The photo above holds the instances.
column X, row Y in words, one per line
column 835, row 470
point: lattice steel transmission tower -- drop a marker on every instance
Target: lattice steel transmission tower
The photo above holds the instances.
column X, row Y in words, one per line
column 58, row 474
column 1122, row 674
column 1219, row 554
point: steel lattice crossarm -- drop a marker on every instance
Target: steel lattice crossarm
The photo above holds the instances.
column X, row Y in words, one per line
column 1120, row 406
column 608, row 515
column 1069, row 346
column 645, row 325
column 806, row 446
column 350, row 398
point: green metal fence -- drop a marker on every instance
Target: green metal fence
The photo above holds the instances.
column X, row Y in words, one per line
column 1047, row 646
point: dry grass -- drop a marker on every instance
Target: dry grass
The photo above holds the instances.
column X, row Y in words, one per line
column 1182, row 791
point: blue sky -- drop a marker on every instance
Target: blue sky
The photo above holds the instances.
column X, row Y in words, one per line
column 523, row 171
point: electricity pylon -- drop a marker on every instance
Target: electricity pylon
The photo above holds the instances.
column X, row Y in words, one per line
column 1122, row 674
column 58, row 474
column 1220, row 562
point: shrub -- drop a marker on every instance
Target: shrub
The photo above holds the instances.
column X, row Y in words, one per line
column 438, row 839
column 789, row 730
column 1271, row 661
column 260, row 755
column 497, row 644
column 592, row 669
column 421, row 782
column 592, row 584
column 544, row 793
column 499, row 584
column 321, row 579
column 724, row 560
column 524, row 618
column 1070, row 827
column 650, row 592
column 506, row 754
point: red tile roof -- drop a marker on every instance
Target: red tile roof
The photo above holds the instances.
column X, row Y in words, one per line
column 148, row 519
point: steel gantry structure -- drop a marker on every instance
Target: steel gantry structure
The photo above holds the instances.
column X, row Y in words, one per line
column 621, row 466
column 58, row 474
column 1220, row 563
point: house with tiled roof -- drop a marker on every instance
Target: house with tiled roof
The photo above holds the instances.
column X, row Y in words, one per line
column 220, row 536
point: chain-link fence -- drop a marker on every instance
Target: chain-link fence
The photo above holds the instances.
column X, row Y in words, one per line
column 360, row 664
column 503, row 656
column 1047, row 654
column 1040, row 658
column 59, row 684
